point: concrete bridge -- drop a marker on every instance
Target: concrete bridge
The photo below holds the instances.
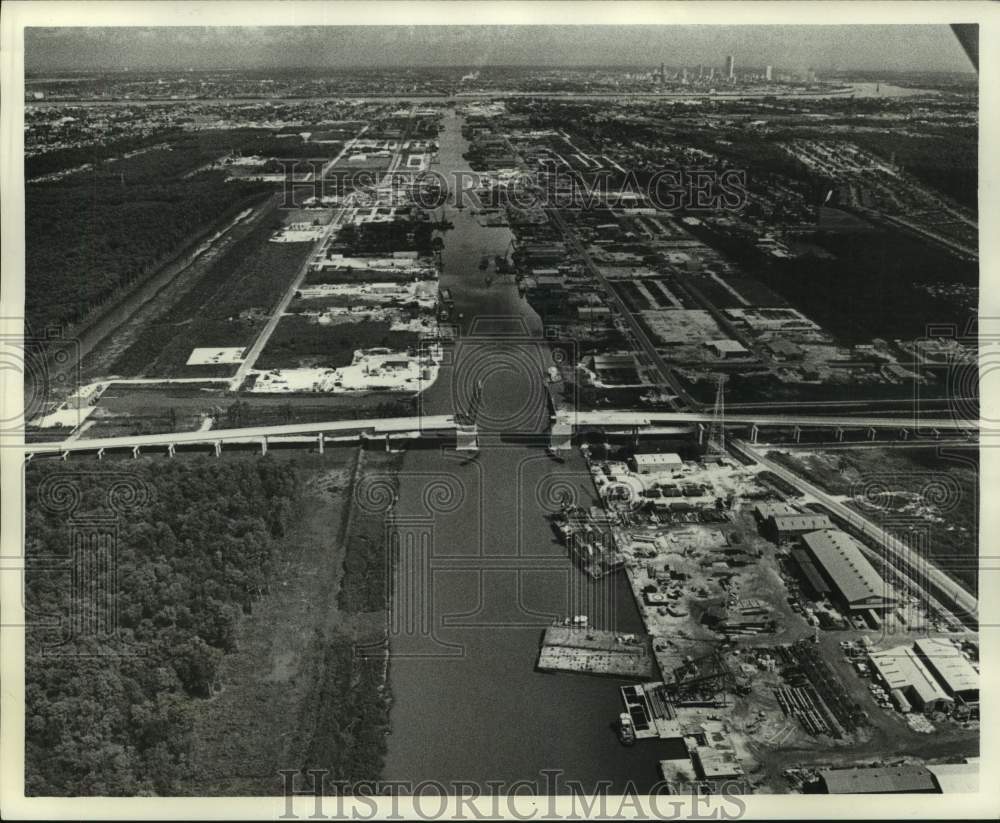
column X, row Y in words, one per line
column 567, row 424
column 386, row 430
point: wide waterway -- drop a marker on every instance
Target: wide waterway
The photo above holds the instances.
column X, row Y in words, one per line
column 468, row 616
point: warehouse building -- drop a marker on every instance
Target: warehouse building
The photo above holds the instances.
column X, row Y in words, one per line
column 957, row 676
column 900, row 668
column 887, row 780
column 784, row 527
column 956, row 778
column 660, row 461
column 836, row 564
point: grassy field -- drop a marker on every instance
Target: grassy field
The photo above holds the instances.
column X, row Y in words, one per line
column 295, row 694
column 297, row 342
column 226, row 307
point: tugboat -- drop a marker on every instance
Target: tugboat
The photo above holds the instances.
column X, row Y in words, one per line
column 626, row 731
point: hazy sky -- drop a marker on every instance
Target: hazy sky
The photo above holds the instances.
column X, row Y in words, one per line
column 928, row 48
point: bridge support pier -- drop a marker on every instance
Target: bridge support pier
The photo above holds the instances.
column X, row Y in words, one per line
column 754, row 431
column 701, row 434
column 64, row 454
column 797, row 434
column 320, row 442
column 263, row 445
column 28, row 457
column 936, row 433
column 136, row 451
column 218, row 448
column 387, row 448
column 466, row 438
column 171, row 449
column 904, row 434
column 839, row 434
column 872, row 434
column 100, row 454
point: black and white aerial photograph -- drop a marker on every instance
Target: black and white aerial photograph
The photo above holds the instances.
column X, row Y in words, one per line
column 501, row 411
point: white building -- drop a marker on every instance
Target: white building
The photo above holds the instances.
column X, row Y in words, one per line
column 661, row 461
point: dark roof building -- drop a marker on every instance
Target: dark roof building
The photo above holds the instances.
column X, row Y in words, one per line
column 785, row 526
column 889, row 780
column 852, row 580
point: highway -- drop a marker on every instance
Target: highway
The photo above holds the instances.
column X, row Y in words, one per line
column 645, row 418
column 373, row 428
column 564, row 420
column 917, row 568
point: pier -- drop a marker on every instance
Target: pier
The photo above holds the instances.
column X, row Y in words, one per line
column 594, row 651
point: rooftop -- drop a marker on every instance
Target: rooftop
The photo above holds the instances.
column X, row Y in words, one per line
column 839, row 555
column 901, row 669
column 955, row 672
column 878, row 780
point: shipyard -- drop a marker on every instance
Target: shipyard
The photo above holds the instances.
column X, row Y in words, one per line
column 436, row 420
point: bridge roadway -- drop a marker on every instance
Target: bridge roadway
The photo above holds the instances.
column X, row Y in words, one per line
column 564, row 423
column 399, row 426
column 645, row 419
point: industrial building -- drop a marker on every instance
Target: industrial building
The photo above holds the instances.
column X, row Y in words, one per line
column 726, row 349
column 660, row 461
column 900, row 668
column 887, row 780
column 784, row 527
column 957, row 676
column 834, row 565
column 956, row 778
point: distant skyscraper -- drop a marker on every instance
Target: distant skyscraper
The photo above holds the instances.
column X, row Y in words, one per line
column 730, row 67
column 767, row 73
column 663, row 73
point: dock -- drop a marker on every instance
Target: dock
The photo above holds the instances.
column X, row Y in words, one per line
column 594, row 651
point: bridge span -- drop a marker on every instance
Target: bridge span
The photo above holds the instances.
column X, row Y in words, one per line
column 565, row 424
column 386, row 429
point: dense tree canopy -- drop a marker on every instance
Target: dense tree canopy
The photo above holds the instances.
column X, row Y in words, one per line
column 110, row 716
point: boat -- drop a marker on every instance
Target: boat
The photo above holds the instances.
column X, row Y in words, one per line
column 626, row 731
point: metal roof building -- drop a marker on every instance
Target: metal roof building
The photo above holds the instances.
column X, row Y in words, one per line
column 838, row 558
column 902, row 669
column 645, row 463
column 956, row 778
column 785, row 526
column 956, row 674
column 888, row 780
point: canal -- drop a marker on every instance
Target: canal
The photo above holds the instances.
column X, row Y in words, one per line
column 483, row 574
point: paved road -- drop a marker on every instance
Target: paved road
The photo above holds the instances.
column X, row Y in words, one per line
column 381, row 426
column 645, row 418
column 272, row 322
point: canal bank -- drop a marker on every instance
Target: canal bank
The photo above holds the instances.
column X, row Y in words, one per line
column 481, row 574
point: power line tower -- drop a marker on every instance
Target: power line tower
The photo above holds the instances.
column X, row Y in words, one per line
column 717, row 431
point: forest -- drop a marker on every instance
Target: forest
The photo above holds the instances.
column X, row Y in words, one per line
column 96, row 231
column 195, row 549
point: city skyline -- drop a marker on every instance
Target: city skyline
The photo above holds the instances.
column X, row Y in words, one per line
column 827, row 48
